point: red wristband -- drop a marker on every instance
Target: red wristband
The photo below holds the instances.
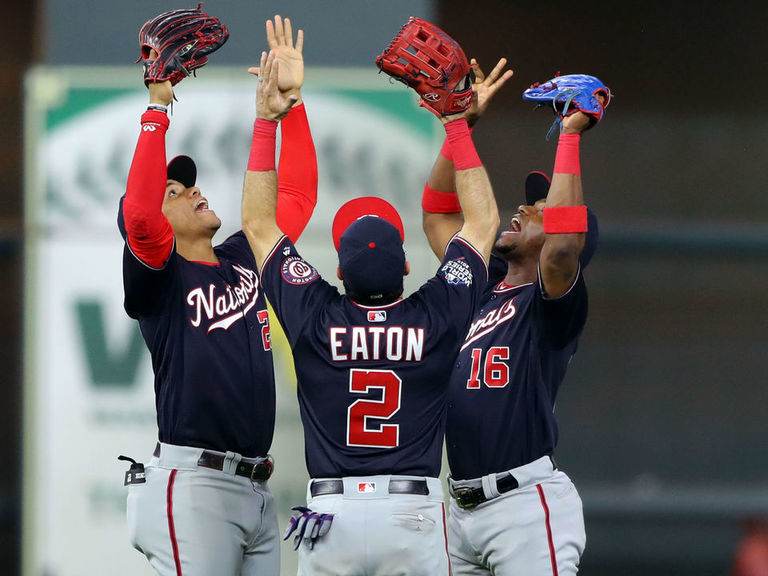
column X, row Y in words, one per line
column 439, row 202
column 155, row 117
column 262, row 158
column 445, row 151
column 461, row 145
column 565, row 219
column 567, row 156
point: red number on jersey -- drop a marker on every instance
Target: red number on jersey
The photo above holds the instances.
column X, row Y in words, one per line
column 266, row 339
column 496, row 373
column 360, row 430
column 477, row 356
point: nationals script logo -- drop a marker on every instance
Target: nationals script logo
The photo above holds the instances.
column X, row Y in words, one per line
column 226, row 308
column 491, row 320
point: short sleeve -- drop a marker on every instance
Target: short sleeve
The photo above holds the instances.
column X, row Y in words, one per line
column 560, row 320
column 455, row 291
column 146, row 289
column 294, row 287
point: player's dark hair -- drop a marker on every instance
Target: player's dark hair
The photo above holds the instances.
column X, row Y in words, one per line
column 375, row 299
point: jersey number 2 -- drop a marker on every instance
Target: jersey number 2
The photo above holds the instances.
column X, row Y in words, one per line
column 496, row 372
column 266, row 340
column 360, row 430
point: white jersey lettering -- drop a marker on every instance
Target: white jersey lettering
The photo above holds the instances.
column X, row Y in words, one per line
column 336, row 343
column 376, row 333
column 392, row 343
column 228, row 307
column 359, row 344
column 494, row 318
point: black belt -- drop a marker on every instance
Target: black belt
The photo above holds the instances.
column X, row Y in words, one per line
column 256, row 469
column 467, row 497
column 396, row 486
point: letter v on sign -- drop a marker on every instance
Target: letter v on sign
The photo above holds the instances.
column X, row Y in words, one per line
column 108, row 366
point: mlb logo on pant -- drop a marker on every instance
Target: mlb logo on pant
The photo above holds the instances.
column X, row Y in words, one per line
column 366, row 487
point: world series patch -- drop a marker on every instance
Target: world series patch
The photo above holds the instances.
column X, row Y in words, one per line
column 296, row 270
column 457, row 272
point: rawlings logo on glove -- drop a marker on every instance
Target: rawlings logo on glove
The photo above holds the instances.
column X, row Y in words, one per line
column 570, row 94
column 425, row 58
column 183, row 39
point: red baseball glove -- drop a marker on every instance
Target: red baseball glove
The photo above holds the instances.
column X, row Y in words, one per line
column 183, row 39
column 433, row 64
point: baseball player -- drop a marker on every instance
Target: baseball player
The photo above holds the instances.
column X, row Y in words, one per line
column 512, row 511
column 202, row 505
column 372, row 366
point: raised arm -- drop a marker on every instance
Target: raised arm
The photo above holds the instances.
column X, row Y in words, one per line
column 259, row 210
column 559, row 261
column 297, row 174
column 481, row 215
column 442, row 216
column 148, row 232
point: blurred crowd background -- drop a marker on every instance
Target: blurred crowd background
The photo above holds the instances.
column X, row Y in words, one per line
column 663, row 412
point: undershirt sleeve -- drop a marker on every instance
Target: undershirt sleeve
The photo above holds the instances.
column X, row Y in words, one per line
column 297, row 174
column 147, row 231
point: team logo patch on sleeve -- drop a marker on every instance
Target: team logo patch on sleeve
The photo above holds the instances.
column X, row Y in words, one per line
column 457, row 272
column 296, row 271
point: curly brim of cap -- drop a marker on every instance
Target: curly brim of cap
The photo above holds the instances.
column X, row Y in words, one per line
column 364, row 206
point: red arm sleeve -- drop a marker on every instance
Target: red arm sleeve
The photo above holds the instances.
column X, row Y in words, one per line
column 297, row 174
column 148, row 232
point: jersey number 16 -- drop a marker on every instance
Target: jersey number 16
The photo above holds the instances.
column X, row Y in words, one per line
column 494, row 373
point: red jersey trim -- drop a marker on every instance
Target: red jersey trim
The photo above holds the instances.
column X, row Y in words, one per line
column 272, row 252
column 501, row 287
column 475, row 250
column 364, row 307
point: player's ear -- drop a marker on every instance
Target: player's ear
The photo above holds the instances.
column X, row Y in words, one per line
column 339, row 275
column 407, row 268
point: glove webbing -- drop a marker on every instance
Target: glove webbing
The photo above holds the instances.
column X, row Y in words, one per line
column 558, row 116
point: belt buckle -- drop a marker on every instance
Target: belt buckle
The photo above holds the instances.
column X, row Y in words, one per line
column 265, row 467
column 464, row 498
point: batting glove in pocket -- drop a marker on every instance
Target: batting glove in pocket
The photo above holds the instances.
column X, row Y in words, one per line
column 308, row 526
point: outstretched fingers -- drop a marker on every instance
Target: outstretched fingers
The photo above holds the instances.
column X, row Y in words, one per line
column 288, row 32
column 495, row 78
column 300, row 41
column 269, row 69
column 479, row 76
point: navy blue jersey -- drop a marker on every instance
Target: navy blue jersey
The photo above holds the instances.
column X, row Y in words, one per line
column 372, row 381
column 510, row 367
column 207, row 331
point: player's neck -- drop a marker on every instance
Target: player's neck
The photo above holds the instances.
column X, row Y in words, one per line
column 200, row 250
column 520, row 272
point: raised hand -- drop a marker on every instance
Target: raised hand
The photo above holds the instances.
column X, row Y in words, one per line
column 580, row 122
column 159, row 92
column 485, row 87
column 271, row 103
column 288, row 54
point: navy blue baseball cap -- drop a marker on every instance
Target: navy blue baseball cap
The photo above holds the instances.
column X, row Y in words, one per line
column 537, row 187
column 183, row 169
column 368, row 234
